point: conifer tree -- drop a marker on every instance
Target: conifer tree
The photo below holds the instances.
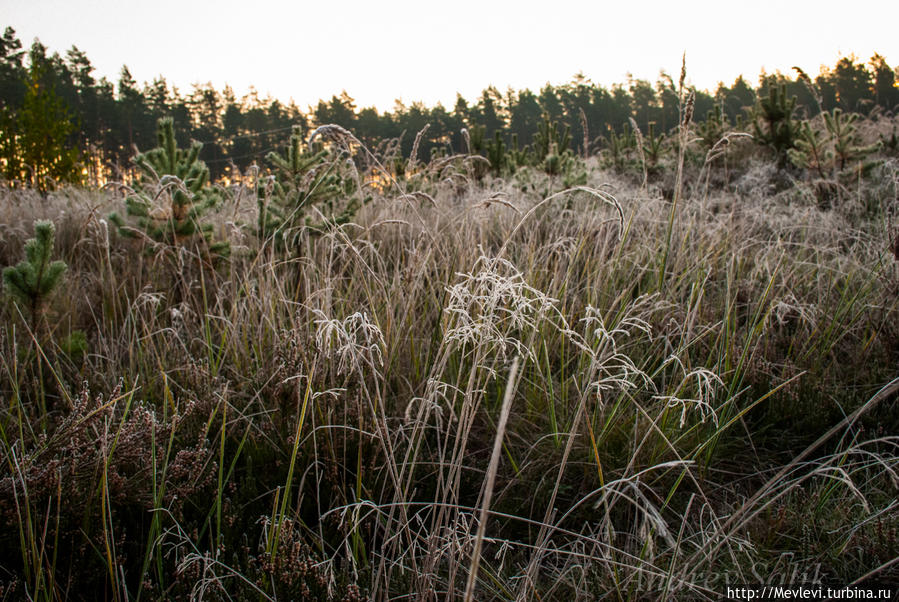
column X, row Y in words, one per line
column 477, row 146
column 834, row 153
column 846, row 143
column 547, row 135
column 713, row 128
column 34, row 136
column 553, row 161
column 652, row 145
column 32, row 281
column 476, row 140
column 498, row 155
column 552, row 152
column 519, row 157
column 886, row 92
column 620, row 145
column 302, row 179
column 811, row 151
column 173, row 193
column 773, row 123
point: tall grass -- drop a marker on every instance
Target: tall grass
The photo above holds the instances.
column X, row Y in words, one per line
column 471, row 392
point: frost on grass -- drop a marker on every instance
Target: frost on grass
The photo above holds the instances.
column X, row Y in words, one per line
column 354, row 343
column 435, row 389
column 705, row 384
column 492, row 306
column 612, row 368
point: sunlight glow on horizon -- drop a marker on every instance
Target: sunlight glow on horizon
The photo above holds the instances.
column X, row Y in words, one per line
column 401, row 49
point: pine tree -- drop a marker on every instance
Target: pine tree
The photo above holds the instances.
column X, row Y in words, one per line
column 547, row 135
column 811, row 151
column 553, row 161
column 852, row 83
column 34, row 141
column 32, row 281
column 519, row 157
column 302, row 180
column 498, row 155
column 713, row 128
column 841, row 147
column 12, row 69
column 886, row 93
column 620, row 145
column 652, row 145
column 477, row 146
column 845, row 140
column 552, row 152
column 773, row 123
column 173, row 193
column 476, row 140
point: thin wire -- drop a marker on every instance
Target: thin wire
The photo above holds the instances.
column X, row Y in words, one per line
column 253, row 135
column 256, row 154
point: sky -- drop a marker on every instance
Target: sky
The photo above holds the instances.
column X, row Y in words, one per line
column 428, row 51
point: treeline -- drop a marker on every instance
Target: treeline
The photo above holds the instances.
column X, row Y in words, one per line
column 59, row 122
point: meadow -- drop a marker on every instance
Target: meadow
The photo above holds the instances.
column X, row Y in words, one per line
column 648, row 374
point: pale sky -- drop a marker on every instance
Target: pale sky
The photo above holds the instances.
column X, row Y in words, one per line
column 382, row 51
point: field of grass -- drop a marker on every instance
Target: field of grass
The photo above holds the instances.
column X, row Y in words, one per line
column 479, row 388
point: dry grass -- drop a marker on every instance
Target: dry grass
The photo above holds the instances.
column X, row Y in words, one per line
column 470, row 392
